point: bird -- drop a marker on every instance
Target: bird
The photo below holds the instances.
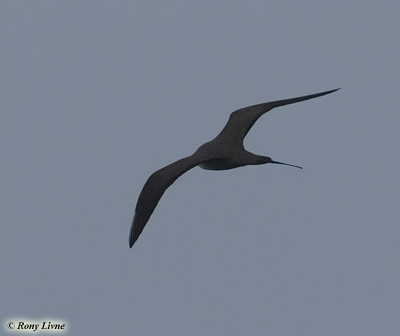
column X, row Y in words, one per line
column 225, row 151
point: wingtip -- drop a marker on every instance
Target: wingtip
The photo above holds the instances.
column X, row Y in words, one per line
column 131, row 233
column 331, row 91
column 132, row 239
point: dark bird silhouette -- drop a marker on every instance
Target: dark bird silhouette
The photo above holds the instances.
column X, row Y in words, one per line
column 226, row 151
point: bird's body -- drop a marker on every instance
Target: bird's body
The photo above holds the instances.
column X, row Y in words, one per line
column 225, row 151
column 224, row 157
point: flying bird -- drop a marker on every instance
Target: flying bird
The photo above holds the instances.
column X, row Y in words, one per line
column 225, row 151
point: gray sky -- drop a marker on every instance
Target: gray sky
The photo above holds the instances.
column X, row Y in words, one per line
column 97, row 95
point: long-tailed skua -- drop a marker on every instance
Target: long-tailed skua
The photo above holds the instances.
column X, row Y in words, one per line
column 226, row 151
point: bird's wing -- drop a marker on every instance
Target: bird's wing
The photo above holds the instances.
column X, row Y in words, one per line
column 154, row 188
column 242, row 120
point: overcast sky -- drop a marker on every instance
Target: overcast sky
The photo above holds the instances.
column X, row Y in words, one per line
column 97, row 95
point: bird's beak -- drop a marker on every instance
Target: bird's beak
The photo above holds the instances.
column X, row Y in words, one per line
column 285, row 164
